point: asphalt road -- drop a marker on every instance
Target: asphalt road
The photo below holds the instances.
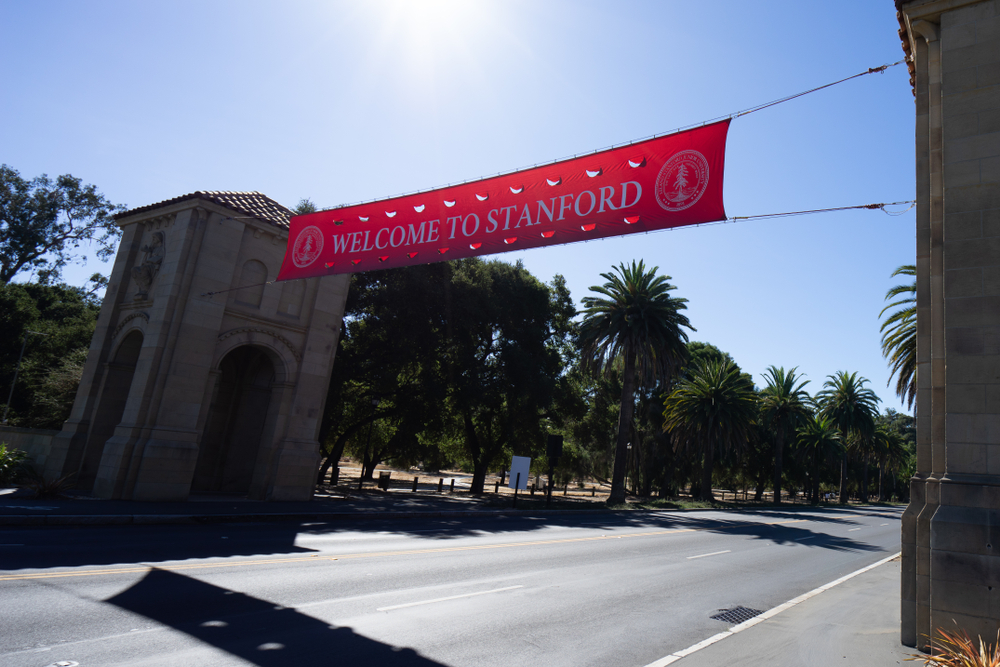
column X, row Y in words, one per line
column 594, row 589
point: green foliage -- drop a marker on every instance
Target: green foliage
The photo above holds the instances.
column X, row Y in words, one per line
column 64, row 318
column 304, row 207
column 503, row 352
column 783, row 406
column 818, row 442
column 899, row 335
column 13, row 464
column 43, row 222
column 638, row 326
column 466, row 362
column 853, row 408
column 714, row 408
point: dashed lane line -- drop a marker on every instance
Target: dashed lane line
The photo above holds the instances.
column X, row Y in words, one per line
column 714, row 553
column 450, row 597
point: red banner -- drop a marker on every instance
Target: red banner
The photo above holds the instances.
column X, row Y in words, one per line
column 666, row 182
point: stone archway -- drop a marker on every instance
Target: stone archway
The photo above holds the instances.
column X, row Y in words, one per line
column 240, row 423
column 114, row 394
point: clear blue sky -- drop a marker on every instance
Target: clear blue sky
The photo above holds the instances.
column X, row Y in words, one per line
column 347, row 101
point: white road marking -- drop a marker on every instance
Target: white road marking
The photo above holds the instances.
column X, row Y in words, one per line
column 673, row 657
column 714, row 553
column 883, row 524
column 452, row 597
column 851, row 530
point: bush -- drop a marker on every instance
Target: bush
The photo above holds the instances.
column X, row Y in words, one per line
column 13, row 464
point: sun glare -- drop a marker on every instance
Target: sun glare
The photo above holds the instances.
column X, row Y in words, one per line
column 434, row 39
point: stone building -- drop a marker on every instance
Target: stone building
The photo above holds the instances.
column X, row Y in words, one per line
column 951, row 530
column 203, row 376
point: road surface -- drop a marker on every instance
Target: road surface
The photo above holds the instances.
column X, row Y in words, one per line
column 562, row 589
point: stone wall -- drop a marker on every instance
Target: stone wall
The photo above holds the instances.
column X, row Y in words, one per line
column 36, row 442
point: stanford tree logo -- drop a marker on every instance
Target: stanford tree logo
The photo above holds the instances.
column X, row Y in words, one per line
column 308, row 246
column 682, row 181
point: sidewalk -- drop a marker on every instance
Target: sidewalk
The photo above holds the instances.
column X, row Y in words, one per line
column 853, row 623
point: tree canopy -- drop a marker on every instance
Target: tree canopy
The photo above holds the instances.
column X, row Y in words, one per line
column 44, row 222
column 899, row 335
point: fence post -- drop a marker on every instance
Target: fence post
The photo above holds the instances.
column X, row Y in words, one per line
column 441, row 485
column 593, row 490
column 496, row 488
column 415, row 479
column 566, row 488
column 452, row 490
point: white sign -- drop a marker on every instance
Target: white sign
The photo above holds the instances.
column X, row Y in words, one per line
column 519, row 464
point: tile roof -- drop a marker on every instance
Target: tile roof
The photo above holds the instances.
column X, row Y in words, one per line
column 251, row 204
column 904, row 37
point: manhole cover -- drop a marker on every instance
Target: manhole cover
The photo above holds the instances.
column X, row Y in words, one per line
column 736, row 615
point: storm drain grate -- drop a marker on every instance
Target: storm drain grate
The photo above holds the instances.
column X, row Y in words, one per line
column 736, row 615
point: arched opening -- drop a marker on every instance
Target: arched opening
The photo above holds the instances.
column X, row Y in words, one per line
column 237, row 423
column 114, row 395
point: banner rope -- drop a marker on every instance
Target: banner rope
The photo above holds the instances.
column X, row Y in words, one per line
column 870, row 207
column 737, row 218
column 871, row 70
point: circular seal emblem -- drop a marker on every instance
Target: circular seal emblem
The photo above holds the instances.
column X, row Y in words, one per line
column 682, row 181
column 308, row 246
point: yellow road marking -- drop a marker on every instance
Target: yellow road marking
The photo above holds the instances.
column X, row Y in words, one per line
column 372, row 554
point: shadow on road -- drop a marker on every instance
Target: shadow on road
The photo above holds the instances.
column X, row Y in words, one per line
column 252, row 629
column 50, row 547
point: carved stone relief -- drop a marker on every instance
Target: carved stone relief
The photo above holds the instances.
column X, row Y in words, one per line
column 144, row 274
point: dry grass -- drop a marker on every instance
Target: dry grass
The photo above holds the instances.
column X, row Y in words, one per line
column 957, row 649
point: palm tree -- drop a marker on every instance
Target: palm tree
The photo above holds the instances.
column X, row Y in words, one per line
column 818, row 439
column 853, row 408
column 891, row 453
column 899, row 335
column 783, row 406
column 638, row 326
column 715, row 406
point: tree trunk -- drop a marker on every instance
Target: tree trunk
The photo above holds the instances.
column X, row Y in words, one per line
column 881, row 475
column 864, row 481
column 843, row 480
column 706, row 471
column 478, row 478
column 815, row 478
column 625, row 412
column 667, row 480
column 779, row 446
column 758, row 493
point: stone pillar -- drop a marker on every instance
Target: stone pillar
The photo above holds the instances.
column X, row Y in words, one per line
column 951, row 529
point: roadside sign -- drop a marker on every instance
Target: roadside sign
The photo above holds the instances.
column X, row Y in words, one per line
column 519, row 471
